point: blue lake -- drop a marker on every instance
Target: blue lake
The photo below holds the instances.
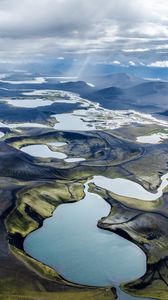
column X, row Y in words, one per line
column 77, row 249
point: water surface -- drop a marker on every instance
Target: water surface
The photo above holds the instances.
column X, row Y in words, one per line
column 29, row 103
column 76, row 248
column 42, row 151
column 131, row 189
column 154, row 138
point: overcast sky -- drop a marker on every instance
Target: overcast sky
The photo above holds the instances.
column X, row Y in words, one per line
column 110, row 31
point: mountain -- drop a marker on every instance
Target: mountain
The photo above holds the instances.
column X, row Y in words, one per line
column 149, row 96
column 119, row 80
column 125, row 91
column 149, row 88
column 80, row 87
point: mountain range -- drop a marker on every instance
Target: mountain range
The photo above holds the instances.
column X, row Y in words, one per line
column 114, row 91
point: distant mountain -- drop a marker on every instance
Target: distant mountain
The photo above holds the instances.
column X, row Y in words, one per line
column 119, row 80
column 148, row 96
column 80, row 87
column 149, row 88
column 108, row 98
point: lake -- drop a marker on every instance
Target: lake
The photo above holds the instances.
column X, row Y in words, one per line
column 77, row 249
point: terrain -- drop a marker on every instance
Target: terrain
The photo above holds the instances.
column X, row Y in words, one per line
column 33, row 187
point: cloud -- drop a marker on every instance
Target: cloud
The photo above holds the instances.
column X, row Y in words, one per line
column 159, row 64
column 111, row 30
column 136, row 50
column 116, row 62
column 131, row 63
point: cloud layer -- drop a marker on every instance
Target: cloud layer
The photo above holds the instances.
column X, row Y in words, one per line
column 111, row 31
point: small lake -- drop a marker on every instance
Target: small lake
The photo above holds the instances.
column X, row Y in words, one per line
column 43, row 151
column 20, row 125
column 128, row 188
column 71, row 160
column 29, row 103
column 71, row 122
column 154, row 138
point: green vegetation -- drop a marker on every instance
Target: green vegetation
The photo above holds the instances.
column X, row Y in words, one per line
column 156, row 289
column 128, row 202
column 33, row 141
column 41, row 200
column 92, row 294
column 39, row 267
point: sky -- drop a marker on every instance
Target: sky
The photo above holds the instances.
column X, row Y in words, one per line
column 116, row 32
